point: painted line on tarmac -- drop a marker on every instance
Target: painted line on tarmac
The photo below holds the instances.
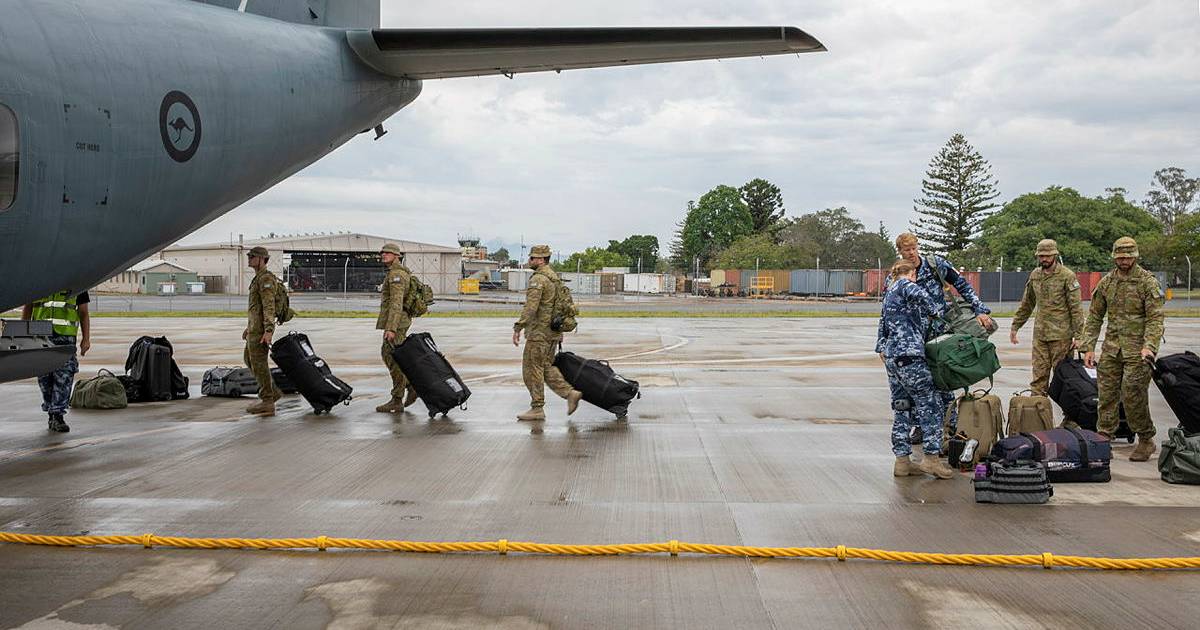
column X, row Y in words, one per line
column 683, row 341
column 811, row 357
column 73, row 444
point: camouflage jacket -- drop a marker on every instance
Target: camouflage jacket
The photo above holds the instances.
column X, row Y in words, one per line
column 392, row 316
column 1134, row 307
column 539, row 306
column 1059, row 306
column 927, row 278
column 260, row 314
column 907, row 310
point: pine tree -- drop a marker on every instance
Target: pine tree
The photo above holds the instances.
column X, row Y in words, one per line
column 958, row 191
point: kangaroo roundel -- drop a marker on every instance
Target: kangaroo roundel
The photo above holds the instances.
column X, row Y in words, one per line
column 179, row 125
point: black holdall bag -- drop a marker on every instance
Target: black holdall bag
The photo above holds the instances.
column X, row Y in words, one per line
column 600, row 385
column 1178, row 378
column 282, row 382
column 229, row 382
column 294, row 354
column 146, row 362
column 437, row 383
column 1074, row 388
column 1069, row 455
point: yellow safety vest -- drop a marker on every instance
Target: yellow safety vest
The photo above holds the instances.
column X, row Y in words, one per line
column 62, row 310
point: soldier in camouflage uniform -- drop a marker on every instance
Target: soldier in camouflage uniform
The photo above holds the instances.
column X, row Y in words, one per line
column 1053, row 290
column 537, row 364
column 260, row 327
column 394, row 321
column 907, row 310
column 1133, row 302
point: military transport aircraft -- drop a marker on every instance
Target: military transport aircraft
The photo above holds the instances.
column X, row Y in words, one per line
column 127, row 124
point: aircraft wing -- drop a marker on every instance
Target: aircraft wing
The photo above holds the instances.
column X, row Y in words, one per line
column 443, row 53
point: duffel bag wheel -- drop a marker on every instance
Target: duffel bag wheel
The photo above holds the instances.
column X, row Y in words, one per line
column 432, row 415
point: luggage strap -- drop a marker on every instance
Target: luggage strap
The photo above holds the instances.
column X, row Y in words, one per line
column 1083, row 447
column 1038, row 452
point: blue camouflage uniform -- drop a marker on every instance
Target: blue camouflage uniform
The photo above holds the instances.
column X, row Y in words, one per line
column 907, row 310
column 928, row 280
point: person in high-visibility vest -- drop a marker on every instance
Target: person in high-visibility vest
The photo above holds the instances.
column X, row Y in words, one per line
column 68, row 312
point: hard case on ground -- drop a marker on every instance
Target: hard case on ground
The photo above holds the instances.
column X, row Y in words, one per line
column 1076, row 391
column 600, row 385
column 1178, row 378
column 229, row 382
column 1069, row 455
column 312, row 376
column 436, row 381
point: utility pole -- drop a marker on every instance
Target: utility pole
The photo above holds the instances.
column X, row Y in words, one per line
column 1189, row 261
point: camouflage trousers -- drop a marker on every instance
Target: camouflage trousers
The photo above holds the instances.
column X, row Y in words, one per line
column 537, row 369
column 255, row 356
column 1046, row 355
column 1124, row 378
column 399, row 380
column 56, row 386
column 915, row 402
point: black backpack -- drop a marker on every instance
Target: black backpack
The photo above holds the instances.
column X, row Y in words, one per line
column 151, row 366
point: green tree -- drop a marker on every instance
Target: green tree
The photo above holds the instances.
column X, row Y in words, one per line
column 1171, row 195
column 837, row 238
column 591, row 260
column 958, row 193
column 714, row 222
column 765, row 202
column 642, row 247
column 500, row 255
column 1085, row 228
column 761, row 250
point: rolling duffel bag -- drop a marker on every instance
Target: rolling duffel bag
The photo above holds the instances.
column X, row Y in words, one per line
column 149, row 365
column 227, row 382
column 1073, row 386
column 1069, row 455
column 103, row 391
column 960, row 361
column 313, row 379
column 1016, row 483
column 431, row 375
column 1178, row 378
column 1179, row 461
column 1028, row 413
column 600, row 385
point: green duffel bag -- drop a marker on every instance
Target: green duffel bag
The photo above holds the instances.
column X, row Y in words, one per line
column 104, row 391
column 959, row 317
column 960, row 361
column 1179, row 461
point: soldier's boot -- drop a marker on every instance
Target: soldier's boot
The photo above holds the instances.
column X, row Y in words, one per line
column 1144, row 449
column 533, row 415
column 262, row 408
column 410, row 397
column 573, row 401
column 391, row 406
column 1068, row 423
column 936, row 467
column 904, row 467
column 58, row 424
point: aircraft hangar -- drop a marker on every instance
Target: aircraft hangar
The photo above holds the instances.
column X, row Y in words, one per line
column 319, row 262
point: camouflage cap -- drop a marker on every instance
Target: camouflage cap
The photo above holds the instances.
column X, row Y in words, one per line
column 540, row 251
column 391, row 248
column 1047, row 247
column 1125, row 247
column 259, row 251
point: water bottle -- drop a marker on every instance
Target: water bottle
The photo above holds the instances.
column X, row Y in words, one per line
column 968, row 453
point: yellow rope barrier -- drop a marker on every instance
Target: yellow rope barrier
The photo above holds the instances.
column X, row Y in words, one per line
column 674, row 548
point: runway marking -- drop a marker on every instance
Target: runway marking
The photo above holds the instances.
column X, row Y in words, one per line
column 811, row 357
column 7, row 455
column 353, row 604
column 682, row 342
column 950, row 607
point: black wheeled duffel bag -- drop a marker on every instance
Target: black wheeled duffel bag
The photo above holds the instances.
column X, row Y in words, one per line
column 311, row 375
column 282, row 382
column 1074, row 388
column 436, row 382
column 1178, row 378
column 601, row 386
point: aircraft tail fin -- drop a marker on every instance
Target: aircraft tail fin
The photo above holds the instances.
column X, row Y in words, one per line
column 337, row 13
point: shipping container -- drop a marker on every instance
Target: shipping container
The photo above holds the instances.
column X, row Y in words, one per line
column 612, row 283
column 616, row 270
column 655, row 283
column 1087, row 283
column 1007, row 286
column 582, row 283
column 874, row 281
column 518, row 279
column 746, row 280
column 781, row 279
column 716, row 277
column 836, row 282
column 733, row 278
column 804, row 282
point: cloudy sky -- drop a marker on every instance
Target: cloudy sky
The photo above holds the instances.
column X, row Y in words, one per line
column 1076, row 93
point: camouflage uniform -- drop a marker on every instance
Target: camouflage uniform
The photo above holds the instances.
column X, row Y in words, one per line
column 393, row 317
column 1059, row 321
column 907, row 309
column 260, row 319
column 1133, row 303
column 927, row 278
column 541, row 343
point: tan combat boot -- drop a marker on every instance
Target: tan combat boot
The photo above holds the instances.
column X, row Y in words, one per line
column 936, row 467
column 904, row 467
column 534, row 414
column 1144, row 449
column 410, row 397
column 262, row 408
column 391, row 406
column 573, row 401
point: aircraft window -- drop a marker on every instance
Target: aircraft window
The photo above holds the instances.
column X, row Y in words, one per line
column 9, row 157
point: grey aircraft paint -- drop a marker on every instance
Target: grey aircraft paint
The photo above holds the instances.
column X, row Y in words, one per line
column 140, row 121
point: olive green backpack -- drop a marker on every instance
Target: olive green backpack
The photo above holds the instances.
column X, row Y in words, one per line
column 104, row 391
column 1179, row 461
column 418, row 297
column 563, row 312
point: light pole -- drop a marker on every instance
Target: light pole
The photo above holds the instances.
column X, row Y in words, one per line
column 345, row 279
column 1189, row 261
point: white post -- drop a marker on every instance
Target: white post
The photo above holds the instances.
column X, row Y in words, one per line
column 1189, row 260
column 879, row 261
column 1000, row 300
column 345, row 279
